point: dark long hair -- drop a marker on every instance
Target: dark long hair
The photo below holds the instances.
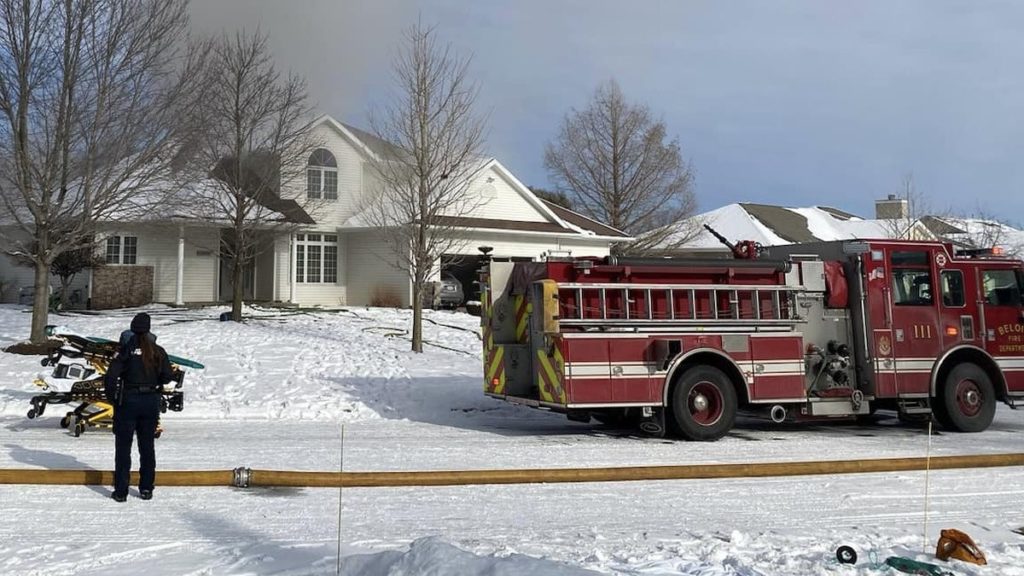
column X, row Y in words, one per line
column 149, row 353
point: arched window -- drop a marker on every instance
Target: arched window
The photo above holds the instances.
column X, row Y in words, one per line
column 322, row 175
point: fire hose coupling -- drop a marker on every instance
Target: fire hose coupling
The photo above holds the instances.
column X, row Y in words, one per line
column 242, row 476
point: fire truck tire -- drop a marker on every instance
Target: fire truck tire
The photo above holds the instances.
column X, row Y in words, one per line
column 703, row 404
column 941, row 414
column 967, row 399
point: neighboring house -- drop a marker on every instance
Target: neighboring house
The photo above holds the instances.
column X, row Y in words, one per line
column 772, row 225
column 977, row 233
column 333, row 258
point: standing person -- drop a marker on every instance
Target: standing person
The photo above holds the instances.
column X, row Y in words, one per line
column 133, row 383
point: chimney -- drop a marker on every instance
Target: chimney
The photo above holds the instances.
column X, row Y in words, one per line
column 892, row 208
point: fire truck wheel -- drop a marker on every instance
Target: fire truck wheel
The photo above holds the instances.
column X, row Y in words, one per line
column 968, row 399
column 941, row 414
column 703, row 404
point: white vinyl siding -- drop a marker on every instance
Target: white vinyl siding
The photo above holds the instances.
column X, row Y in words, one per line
column 369, row 271
column 158, row 247
column 498, row 200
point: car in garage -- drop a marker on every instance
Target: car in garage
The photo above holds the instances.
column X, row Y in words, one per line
column 452, row 295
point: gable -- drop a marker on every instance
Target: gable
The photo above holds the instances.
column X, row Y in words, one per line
column 498, row 199
column 496, row 196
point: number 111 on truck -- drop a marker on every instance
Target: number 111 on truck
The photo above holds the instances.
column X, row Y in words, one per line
column 803, row 332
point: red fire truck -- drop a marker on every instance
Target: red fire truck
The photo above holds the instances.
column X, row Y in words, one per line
column 809, row 331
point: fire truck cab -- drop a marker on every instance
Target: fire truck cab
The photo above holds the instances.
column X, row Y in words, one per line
column 810, row 331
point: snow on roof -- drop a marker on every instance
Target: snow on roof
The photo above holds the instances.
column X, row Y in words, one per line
column 978, row 233
column 731, row 221
column 775, row 225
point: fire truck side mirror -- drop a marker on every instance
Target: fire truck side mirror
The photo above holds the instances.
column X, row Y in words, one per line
column 549, row 306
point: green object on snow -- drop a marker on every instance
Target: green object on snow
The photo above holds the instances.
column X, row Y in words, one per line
column 174, row 359
column 908, row 566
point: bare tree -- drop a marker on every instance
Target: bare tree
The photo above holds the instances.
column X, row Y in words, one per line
column 255, row 140
column 425, row 174
column 90, row 97
column 614, row 161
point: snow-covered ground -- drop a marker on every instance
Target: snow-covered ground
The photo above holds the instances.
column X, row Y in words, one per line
column 339, row 390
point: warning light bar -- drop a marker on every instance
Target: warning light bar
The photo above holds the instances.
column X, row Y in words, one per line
column 979, row 252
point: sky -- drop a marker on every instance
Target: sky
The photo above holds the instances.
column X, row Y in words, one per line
column 790, row 102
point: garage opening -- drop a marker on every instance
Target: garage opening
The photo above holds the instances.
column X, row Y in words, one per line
column 463, row 269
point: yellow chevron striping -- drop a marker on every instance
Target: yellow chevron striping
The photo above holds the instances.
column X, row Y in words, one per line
column 545, row 365
column 492, row 370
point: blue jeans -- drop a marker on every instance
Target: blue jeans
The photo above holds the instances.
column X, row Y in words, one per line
column 137, row 415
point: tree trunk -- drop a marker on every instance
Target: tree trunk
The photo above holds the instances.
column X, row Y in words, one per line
column 65, row 292
column 41, row 303
column 236, row 288
column 417, row 316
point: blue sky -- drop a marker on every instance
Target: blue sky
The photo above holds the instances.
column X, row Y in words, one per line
column 794, row 102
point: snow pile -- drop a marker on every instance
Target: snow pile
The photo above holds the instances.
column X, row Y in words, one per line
column 434, row 557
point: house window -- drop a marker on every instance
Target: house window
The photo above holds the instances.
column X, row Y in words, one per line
column 316, row 258
column 122, row 250
column 322, row 175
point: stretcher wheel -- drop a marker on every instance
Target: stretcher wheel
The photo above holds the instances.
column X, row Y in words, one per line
column 79, row 428
column 65, row 421
column 846, row 555
column 31, row 413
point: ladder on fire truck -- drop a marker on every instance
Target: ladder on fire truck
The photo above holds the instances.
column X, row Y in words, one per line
column 750, row 307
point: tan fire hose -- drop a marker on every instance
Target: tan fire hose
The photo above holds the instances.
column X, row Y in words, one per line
column 245, row 477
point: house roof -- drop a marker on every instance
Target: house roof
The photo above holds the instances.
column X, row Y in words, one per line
column 584, row 222
column 494, row 224
column 379, row 146
column 941, row 226
column 976, row 233
column 289, row 209
column 773, row 225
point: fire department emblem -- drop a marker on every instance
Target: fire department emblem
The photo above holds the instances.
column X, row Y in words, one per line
column 940, row 259
column 884, row 346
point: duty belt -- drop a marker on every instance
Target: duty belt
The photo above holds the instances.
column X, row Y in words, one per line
column 141, row 389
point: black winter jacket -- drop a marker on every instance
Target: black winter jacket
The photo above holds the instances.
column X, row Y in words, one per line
column 127, row 367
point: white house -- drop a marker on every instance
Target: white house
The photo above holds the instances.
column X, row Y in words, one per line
column 333, row 259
